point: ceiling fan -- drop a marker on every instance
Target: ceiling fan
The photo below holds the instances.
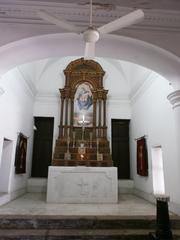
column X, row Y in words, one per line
column 91, row 34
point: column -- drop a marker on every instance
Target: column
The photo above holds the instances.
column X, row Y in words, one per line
column 100, row 111
column 61, row 117
column 104, row 120
column 174, row 99
column 100, row 105
column 72, row 115
column 94, row 116
column 66, row 116
column 163, row 228
column 104, row 112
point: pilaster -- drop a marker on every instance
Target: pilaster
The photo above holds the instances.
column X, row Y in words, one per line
column 174, row 99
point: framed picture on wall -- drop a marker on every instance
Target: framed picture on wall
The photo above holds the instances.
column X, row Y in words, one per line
column 142, row 157
column 83, row 105
column 20, row 157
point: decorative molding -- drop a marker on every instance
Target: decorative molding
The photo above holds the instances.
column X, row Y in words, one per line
column 50, row 98
column 147, row 196
column 25, row 12
column 174, row 98
column 7, row 197
column 115, row 101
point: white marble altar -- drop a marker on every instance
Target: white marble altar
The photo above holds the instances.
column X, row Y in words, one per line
column 82, row 185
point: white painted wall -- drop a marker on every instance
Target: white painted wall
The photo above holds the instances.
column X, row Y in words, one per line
column 5, row 166
column 149, row 110
column 152, row 115
column 16, row 105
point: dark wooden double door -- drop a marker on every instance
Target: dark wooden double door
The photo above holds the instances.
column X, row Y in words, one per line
column 120, row 147
column 42, row 146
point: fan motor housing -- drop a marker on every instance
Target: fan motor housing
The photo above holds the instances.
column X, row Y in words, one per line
column 91, row 35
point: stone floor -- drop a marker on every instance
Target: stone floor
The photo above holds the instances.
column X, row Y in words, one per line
column 35, row 204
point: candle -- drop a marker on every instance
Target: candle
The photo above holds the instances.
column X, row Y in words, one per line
column 90, row 136
column 97, row 145
column 83, row 118
column 74, row 137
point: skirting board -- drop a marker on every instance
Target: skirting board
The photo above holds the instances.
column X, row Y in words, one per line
column 147, row 196
column 173, row 207
column 7, row 197
column 38, row 185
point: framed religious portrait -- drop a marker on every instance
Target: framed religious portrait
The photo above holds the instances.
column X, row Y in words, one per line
column 20, row 157
column 142, row 157
column 83, row 105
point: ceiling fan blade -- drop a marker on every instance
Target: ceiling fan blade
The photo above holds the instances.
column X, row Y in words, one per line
column 124, row 21
column 89, row 51
column 60, row 23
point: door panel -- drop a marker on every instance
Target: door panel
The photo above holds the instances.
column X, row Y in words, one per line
column 120, row 147
column 42, row 147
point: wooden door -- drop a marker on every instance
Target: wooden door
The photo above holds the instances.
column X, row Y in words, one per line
column 120, row 147
column 42, row 146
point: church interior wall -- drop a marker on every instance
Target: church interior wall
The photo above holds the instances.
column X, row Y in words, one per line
column 150, row 114
column 16, row 105
column 153, row 116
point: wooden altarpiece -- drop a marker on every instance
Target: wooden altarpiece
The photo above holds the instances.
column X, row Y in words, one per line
column 83, row 131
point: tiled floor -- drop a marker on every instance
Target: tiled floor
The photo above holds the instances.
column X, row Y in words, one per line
column 35, row 204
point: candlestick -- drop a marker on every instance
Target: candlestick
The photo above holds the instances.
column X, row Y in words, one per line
column 90, row 136
column 74, row 138
column 97, row 145
column 83, row 123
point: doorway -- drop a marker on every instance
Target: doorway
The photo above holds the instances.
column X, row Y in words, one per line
column 120, row 147
column 158, row 170
column 5, row 165
column 42, row 146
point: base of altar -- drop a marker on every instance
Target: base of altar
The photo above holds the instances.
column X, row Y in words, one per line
column 82, row 185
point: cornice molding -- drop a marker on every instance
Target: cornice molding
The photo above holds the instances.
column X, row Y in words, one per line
column 116, row 101
column 47, row 98
column 25, row 12
column 174, row 98
column 144, row 87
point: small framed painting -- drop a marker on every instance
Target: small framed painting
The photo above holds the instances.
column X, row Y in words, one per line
column 20, row 157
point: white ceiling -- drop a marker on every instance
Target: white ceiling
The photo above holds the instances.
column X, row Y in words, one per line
column 161, row 26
